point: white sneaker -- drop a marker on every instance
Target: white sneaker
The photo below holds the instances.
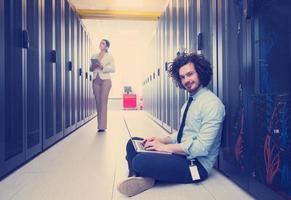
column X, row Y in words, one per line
column 135, row 185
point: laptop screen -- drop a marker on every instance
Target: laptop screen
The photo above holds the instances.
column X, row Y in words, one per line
column 127, row 128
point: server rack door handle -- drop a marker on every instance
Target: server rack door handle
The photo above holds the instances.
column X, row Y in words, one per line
column 200, row 41
column 70, row 66
column 80, row 71
column 54, row 56
column 25, row 39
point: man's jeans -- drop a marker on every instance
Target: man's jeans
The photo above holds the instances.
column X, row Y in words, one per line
column 162, row 167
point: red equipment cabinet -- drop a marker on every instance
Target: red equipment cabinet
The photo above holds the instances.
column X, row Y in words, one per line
column 129, row 101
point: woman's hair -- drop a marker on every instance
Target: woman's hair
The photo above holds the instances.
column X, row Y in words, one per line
column 107, row 42
column 201, row 65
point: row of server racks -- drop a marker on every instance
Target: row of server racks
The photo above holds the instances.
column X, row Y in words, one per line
column 45, row 84
column 249, row 45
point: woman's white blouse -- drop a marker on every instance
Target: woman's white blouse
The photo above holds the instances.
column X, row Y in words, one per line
column 108, row 67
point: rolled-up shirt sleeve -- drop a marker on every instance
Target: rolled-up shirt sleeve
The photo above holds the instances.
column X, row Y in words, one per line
column 174, row 137
column 199, row 144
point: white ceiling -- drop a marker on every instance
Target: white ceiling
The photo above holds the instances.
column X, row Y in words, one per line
column 128, row 5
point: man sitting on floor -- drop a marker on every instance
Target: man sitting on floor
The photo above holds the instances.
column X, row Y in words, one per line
column 194, row 148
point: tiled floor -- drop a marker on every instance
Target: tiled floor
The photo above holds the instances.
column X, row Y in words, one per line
column 88, row 165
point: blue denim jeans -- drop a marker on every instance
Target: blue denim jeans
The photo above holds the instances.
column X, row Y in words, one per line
column 162, row 167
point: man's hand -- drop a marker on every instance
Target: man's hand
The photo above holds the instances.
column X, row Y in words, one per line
column 149, row 139
column 162, row 144
column 164, row 140
column 155, row 145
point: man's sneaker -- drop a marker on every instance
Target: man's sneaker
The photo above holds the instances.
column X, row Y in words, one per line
column 135, row 185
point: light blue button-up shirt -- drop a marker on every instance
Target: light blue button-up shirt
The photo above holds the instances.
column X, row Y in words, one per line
column 202, row 132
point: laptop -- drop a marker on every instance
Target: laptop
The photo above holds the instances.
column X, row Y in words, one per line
column 138, row 145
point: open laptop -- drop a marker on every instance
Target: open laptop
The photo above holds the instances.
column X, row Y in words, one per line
column 138, row 145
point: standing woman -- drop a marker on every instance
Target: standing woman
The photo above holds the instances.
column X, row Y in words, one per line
column 102, row 65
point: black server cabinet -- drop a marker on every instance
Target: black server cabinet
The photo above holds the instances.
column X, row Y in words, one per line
column 163, row 71
column 192, row 25
column 234, row 158
column 88, row 80
column 12, row 99
column 89, row 89
column 256, row 139
column 159, row 72
column 203, row 37
column 175, row 49
column 206, row 40
column 167, row 80
column 82, row 73
column 86, row 87
column 269, row 100
column 79, row 74
column 87, row 76
column 37, row 93
column 82, row 66
column 82, row 104
column 2, row 87
column 86, row 70
column 68, row 69
column 74, row 67
column 59, row 59
column 33, row 79
column 50, row 135
column 91, row 96
column 170, row 58
column 182, row 22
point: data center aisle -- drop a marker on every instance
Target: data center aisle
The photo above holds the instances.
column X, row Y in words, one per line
column 88, row 166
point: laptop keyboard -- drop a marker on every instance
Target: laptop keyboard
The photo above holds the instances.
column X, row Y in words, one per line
column 139, row 145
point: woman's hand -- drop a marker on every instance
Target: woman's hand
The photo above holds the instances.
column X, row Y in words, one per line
column 100, row 66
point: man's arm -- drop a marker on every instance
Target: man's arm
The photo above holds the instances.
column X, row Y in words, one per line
column 209, row 132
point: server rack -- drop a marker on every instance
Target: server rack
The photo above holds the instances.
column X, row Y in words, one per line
column 79, row 75
column 12, row 132
column 50, row 112
column 269, row 98
column 2, row 85
column 192, row 10
column 163, row 70
column 167, row 124
column 59, row 60
column 233, row 159
column 182, row 22
column 33, row 76
column 74, row 66
column 37, row 86
column 173, row 52
column 248, row 43
column 68, row 69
